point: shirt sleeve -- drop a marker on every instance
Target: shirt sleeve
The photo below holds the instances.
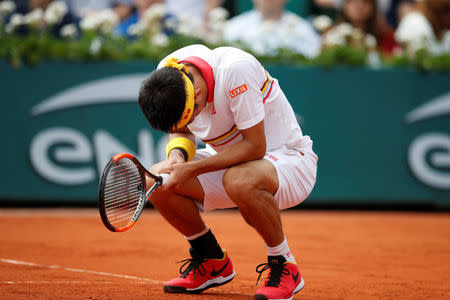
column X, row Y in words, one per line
column 244, row 82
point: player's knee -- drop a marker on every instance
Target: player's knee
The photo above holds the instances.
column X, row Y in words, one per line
column 158, row 198
column 238, row 183
column 155, row 199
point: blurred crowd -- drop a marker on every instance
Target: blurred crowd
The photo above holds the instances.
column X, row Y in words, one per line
column 263, row 26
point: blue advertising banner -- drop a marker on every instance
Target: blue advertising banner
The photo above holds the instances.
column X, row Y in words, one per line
column 382, row 136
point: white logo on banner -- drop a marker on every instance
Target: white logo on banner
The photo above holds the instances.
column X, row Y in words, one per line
column 115, row 89
column 429, row 153
column 54, row 151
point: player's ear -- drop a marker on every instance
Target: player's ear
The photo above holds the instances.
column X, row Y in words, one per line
column 197, row 92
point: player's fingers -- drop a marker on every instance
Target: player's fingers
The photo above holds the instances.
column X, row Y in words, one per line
column 169, row 185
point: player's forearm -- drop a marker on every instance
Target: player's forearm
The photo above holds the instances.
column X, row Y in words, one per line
column 241, row 152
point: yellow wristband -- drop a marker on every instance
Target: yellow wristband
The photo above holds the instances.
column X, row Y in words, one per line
column 183, row 143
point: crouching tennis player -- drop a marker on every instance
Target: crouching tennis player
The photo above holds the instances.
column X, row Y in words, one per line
column 256, row 159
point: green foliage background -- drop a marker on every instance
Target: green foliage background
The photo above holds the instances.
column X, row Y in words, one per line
column 20, row 50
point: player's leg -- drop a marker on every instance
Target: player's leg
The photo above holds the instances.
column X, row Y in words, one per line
column 179, row 207
column 208, row 266
column 251, row 187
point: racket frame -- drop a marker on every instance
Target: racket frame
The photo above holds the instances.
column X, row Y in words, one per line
column 142, row 202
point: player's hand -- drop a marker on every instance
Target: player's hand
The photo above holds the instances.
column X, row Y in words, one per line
column 162, row 167
column 159, row 168
column 180, row 173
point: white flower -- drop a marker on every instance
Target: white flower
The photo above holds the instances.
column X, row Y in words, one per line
column 108, row 20
column 191, row 27
column 215, row 32
column 214, row 37
column 171, row 23
column 95, row 46
column 50, row 17
column 373, row 59
column 160, row 40
column 217, row 27
column 322, row 23
column 136, row 29
column 55, row 12
column 105, row 21
column 8, row 28
column 258, row 48
column 357, row 34
column 90, row 22
column 413, row 46
column 15, row 21
column 435, row 48
column 185, row 29
column 334, row 38
column 446, row 41
column 69, row 31
column 344, row 29
column 155, row 12
column 151, row 18
column 7, row 7
column 34, row 17
column 414, row 27
column 417, row 44
column 183, row 26
column 218, row 14
column 371, row 41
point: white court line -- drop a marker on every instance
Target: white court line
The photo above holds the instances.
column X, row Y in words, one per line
column 56, row 282
column 139, row 279
column 30, row 264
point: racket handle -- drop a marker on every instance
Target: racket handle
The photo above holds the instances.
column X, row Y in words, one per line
column 165, row 178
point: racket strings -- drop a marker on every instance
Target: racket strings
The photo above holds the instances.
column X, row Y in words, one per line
column 123, row 192
column 120, row 192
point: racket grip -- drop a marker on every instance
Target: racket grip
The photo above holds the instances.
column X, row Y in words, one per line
column 165, row 178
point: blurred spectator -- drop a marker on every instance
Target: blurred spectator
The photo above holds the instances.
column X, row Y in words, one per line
column 43, row 14
column 123, row 9
column 152, row 20
column 230, row 6
column 82, row 8
column 269, row 27
column 397, row 10
column 427, row 27
column 193, row 9
column 140, row 7
column 363, row 16
column 392, row 10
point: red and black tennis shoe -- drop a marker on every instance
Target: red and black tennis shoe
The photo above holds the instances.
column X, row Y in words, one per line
column 199, row 274
column 283, row 281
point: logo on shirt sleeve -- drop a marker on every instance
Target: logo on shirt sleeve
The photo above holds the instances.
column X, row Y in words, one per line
column 239, row 90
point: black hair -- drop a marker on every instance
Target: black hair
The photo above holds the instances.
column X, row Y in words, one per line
column 162, row 98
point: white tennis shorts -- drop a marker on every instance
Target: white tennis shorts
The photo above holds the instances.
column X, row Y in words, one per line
column 296, row 177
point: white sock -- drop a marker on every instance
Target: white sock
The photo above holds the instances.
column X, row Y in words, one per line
column 281, row 249
column 197, row 234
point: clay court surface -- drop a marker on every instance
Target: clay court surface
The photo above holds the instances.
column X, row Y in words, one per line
column 69, row 254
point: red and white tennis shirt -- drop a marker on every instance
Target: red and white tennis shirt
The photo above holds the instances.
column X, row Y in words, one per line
column 241, row 93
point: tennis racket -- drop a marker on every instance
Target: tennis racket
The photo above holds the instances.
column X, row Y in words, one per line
column 122, row 192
